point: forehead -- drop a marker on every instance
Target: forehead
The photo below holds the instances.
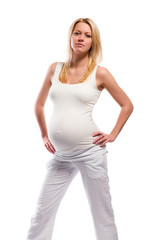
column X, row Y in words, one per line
column 82, row 26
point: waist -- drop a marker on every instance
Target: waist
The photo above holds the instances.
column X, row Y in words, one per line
column 80, row 154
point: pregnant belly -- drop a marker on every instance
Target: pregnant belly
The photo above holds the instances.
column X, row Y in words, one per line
column 69, row 133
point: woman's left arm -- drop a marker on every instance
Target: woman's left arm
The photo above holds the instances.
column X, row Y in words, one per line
column 110, row 84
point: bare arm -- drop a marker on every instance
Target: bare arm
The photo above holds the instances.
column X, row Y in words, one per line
column 110, row 84
column 40, row 102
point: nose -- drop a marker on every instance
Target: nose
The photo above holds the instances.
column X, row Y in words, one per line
column 80, row 37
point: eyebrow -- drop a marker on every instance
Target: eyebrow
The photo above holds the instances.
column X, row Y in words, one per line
column 80, row 31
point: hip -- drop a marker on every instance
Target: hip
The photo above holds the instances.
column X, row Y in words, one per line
column 80, row 154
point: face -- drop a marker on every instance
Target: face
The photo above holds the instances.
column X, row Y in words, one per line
column 81, row 39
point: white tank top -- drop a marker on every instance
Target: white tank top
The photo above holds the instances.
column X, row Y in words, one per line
column 71, row 124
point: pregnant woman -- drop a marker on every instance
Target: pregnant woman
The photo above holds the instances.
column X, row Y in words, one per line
column 74, row 139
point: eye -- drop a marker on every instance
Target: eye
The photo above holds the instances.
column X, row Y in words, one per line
column 76, row 33
column 88, row 36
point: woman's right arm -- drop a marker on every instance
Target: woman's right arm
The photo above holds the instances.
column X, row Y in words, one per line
column 39, row 107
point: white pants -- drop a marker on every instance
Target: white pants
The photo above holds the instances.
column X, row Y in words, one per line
column 61, row 169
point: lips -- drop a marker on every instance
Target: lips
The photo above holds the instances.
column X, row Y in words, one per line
column 79, row 44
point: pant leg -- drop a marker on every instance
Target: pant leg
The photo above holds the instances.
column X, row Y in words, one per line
column 58, row 177
column 96, row 183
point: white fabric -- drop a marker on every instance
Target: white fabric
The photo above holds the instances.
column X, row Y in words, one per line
column 61, row 169
column 71, row 124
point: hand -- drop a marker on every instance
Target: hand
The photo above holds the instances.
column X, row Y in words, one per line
column 48, row 144
column 103, row 138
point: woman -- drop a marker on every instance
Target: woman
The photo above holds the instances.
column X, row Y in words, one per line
column 75, row 141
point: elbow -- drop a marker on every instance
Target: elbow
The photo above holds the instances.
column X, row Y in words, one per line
column 130, row 107
column 37, row 108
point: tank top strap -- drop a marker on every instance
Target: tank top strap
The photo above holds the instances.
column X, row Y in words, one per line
column 94, row 71
column 93, row 78
column 57, row 72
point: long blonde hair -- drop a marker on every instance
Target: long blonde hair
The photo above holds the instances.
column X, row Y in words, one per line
column 94, row 55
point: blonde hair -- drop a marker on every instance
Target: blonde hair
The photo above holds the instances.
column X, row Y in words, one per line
column 94, row 54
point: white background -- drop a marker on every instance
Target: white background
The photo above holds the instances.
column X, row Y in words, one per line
column 34, row 35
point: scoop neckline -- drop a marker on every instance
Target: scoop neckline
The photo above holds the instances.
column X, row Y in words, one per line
column 77, row 83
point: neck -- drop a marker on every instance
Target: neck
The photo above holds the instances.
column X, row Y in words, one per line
column 79, row 61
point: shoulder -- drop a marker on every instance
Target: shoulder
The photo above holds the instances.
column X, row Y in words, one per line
column 106, row 79
column 102, row 74
column 50, row 71
column 52, row 67
column 102, row 71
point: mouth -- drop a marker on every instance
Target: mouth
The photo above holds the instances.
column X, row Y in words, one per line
column 79, row 44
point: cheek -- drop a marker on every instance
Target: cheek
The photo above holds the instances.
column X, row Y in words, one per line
column 89, row 43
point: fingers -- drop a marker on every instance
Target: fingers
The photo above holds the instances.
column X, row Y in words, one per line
column 104, row 138
column 96, row 133
column 49, row 145
column 101, row 139
column 50, row 148
column 106, row 141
